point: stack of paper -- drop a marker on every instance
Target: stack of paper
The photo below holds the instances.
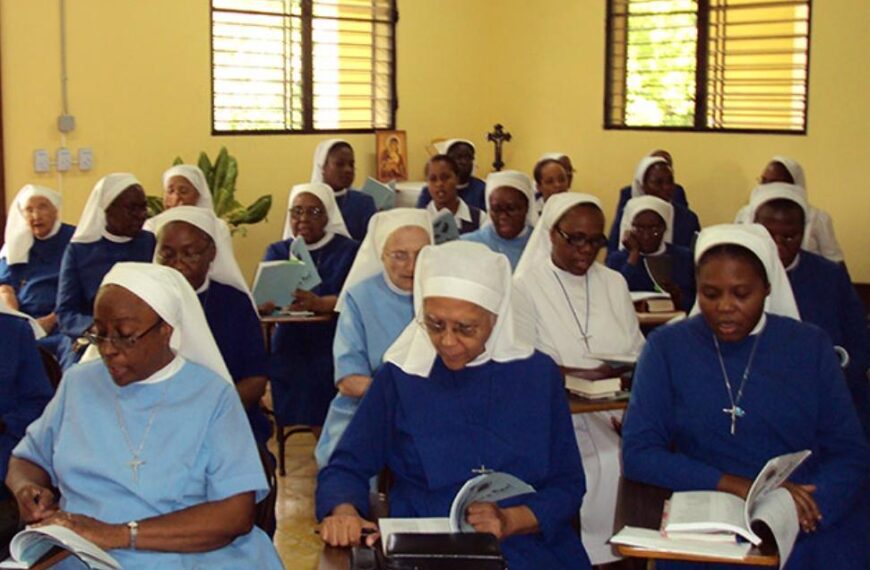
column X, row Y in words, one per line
column 652, row 539
column 593, row 389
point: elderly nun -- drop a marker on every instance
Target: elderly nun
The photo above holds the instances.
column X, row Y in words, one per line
column 149, row 445
column 469, row 188
column 453, row 399
column 335, row 165
column 374, row 307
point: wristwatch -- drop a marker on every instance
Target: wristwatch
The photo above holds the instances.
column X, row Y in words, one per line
column 134, row 533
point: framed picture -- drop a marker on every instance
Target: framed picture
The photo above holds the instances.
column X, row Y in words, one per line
column 392, row 155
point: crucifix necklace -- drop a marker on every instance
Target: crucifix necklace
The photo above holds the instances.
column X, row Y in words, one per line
column 584, row 331
column 135, row 462
column 735, row 411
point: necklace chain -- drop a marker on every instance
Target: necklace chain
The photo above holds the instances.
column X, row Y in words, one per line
column 135, row 463
column 735, row 410
column 584, row 331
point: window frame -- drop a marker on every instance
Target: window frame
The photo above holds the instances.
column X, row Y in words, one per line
column 307, row 74
column 701, row 74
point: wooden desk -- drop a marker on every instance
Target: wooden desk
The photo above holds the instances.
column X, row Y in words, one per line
column 268, row 323
column 580, row 405
column 652, row 320
column 334, row 558
column 640, row 505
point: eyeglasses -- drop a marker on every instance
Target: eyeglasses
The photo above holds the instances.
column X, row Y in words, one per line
column 652, row 231
column 507, row 210
column 122, row 343
column 582, row 240
column 189, row 258
column 437, row 328
column 401, row 256
column 312, row 211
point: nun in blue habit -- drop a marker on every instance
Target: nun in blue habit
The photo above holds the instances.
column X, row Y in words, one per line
column 470, row 188
column 197, row 243
column 109, row 231
column 647, row 232
column 334, row 165
column 463, row 390
column 302, row 370
column 822, row 288
column 374, row 307
column 719, row 394
column 629, row 192
column 34, row 242
column 655, row 177
column 512, row 215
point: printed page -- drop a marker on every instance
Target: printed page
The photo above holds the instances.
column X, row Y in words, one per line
column 390, row 526
column 773, row 475
column 32, row 543
column 653, row 540
column 444, row 227
column 778, row 511
column 485, row 488
column 710, row 511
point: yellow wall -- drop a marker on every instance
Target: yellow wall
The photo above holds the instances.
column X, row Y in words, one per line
column 140, row 86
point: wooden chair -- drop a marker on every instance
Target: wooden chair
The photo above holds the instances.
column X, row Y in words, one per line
column 264, row 516
column 52, row 367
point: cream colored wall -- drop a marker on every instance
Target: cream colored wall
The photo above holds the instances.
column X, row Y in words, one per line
column 140, row 86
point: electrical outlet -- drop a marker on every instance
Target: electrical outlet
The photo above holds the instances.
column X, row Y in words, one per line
column 86, row 159
column 41, row 162
column 64, row 159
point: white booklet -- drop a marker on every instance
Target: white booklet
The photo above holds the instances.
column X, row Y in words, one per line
column 32, row 543
column 652, row 539
column 486, row 488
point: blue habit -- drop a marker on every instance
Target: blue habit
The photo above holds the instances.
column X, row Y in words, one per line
column 639, row 279
column 686, row 224
column 474, row 194
column 512, row 248
column 24, row 387
column 677, row 436
column 679, row 196
column 199, row 449
column 432, row 432
column 301, row 365
column 357, row 208
column 373, row 317
column 825, row 297
column 236, row 329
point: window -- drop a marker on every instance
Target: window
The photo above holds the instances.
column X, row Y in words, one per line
column 302, row 66
column 708, row 65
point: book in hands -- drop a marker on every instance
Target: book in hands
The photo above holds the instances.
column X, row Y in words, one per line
column 444, row 227
column 311, row 278
column 384, row 195
column 32, row 543
column 276, row 281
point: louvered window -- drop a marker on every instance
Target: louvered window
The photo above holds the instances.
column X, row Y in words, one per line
column 303, row 65
column 708, row 65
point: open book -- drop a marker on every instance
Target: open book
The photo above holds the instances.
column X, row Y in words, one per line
column 32, row 543
column 276, row 281
column 384, row 195
column 486, row 488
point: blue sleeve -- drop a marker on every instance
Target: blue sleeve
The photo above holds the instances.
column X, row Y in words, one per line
column 234, row 465
column 6, row 274
column 619, row 262
column 559, row 498
column 856, row 337
column 649, row 427
column 38, row 443
column 275, row 252
column 424, row 198
column 843, row 455
column 72, row 311
column 350, row 349
column 680, row 196
column 254, row 361
column 614, row 239
column 33, row 390
column 361, row 453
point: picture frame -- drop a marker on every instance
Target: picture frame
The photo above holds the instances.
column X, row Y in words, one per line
column 391, row 156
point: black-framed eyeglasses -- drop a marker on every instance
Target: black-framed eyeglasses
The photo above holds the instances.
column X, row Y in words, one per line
column 118, row 342
column 167, row 256
column 312, row 211
column 581, row 240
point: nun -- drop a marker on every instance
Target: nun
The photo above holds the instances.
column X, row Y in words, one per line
column 109, row 231
column 165, row 471
column 512, row 215
column 742, row 381
column 822, row 289
column 579, row 308
column 302, row 370
column 463, row 391
column 34, row 242
column 374, row 307
column 626, row 193
column 819, row 236
column 654, row 176
column 185, row 185
column 470, row 188
column 647, row 237
column 192, row 241
column 334, row 165
column 442, row 173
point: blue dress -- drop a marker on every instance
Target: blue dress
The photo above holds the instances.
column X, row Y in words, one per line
column 357, row 208
column 199, row 449
column 686, row 225
column 474, row 194
column 373, row 317
column 431, row 432
column 825, row 297
column 677, row 436
column 512, row 248
column 24, row 387
column 638, row 278
column 236, row 329
column 679, row 196
column 301, row 366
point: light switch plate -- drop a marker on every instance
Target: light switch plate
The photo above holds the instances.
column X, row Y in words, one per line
column 41, row 162
column 63, row 159
column 86, row 159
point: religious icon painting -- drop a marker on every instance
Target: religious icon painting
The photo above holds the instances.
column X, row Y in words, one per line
column 392, row 155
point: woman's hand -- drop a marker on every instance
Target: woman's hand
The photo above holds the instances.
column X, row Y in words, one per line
column 808, row 511
column 354, row 385
column 104, row 535
column 488, row 517
column 632, row 246
column 735, row 485
column 344, row 527
column 35, row 503
column 306, row 301
column 48, row 322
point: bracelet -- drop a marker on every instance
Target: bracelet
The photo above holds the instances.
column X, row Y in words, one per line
column 134, row 533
